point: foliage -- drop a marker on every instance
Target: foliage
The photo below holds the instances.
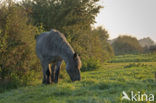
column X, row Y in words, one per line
column 103, row 36
column 126, row 45
column 146, row 42
column 92, row 45
column 150, row 49
column 71, row 17
column 90, row 64
column 17, row 53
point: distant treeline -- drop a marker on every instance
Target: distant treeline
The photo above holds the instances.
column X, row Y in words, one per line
column 20, row 22
column 130, row 45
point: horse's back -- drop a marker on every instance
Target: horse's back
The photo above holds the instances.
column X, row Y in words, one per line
column 49, row 44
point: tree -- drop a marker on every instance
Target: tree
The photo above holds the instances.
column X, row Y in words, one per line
column 71, row 17
column 126, row 45
column 102, row 36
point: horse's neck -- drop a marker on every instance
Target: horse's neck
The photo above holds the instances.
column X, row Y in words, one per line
column 68, row 58
column 67, row 53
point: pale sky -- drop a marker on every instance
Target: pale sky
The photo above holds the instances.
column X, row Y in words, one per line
column 133, row 17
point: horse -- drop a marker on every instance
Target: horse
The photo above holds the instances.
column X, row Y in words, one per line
column 52, row 48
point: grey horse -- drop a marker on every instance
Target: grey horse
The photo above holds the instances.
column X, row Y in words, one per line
column 52, row 48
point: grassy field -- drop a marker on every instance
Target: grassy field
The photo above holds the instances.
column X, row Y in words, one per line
column 104, row 85
column 134, row 58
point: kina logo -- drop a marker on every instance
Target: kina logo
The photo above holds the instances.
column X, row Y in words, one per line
column 137, row 96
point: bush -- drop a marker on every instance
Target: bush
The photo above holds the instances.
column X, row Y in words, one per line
column 17, row 52
column 90, row 64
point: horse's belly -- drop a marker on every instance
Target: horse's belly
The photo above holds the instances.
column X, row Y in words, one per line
column 53, row 59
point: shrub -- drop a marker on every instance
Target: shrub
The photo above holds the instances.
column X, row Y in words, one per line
column 90, row 64
column 17, row 53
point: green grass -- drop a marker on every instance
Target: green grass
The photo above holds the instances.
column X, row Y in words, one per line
column 134, row 58
column 104, row 85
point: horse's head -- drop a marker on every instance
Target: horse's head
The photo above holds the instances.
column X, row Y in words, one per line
column 74, row 68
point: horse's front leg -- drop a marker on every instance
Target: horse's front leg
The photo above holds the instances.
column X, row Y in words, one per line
column 53, row 72
column 48, row 73
column 58, row 66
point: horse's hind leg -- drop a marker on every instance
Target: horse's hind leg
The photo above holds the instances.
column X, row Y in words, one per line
column 58, row 66
column 46, row 73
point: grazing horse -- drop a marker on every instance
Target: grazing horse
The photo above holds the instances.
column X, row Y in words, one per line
column 52, row 48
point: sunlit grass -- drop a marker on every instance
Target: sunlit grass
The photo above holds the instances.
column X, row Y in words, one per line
column 134, row 58
column 104, row 85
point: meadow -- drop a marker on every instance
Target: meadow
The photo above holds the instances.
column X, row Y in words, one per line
column 149, row 57
column 103, row 85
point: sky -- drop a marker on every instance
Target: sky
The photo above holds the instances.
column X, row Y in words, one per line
column 130, row 17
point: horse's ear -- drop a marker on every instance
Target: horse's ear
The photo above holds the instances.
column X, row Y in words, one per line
column 75, row 55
